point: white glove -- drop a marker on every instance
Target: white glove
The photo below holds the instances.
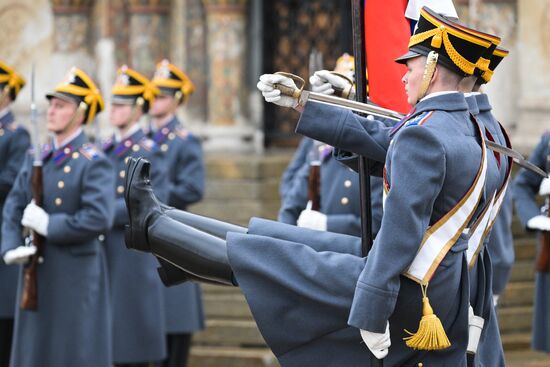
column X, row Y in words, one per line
column 19, row 255
column 265, row 85
column 544, row 188
column 36, row 218
column 312, row 219
column 539, row 223
column 377, row 343
column 323, row 81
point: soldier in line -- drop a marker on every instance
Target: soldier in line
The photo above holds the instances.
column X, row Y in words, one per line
column 309, row 312
column 525, row 190
column 501, row 243
column 182, row 158
column 340, row 211
column 14, row 143
column 137, row 300
column 71, row 326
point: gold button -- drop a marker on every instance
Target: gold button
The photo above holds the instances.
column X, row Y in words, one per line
column 344, row 201
column 347, row 183
column 122, row 173
column 164, row 147
column 67, row 169
column 120, row 189
column 135, row 148
column 127, row 143
column 171, row 136
column 67, row 150
column 101, row 237
column 1, row 132
column 75, row 155
column 58, row 201
column 126, row 159
column 61, row 184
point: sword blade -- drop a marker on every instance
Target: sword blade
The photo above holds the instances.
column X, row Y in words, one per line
column 390, row 114
column 350, row 105
column 516, row 156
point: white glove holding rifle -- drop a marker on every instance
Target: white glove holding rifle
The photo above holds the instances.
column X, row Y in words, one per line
column 312, row 219
column 326, row 82
column 266, row 85
column 19, row 255
column 539, row 223
column 544, row 188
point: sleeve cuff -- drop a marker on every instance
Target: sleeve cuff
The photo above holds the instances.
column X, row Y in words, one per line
column 371, row 308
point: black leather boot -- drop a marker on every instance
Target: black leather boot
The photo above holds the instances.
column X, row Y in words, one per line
column 151, row 230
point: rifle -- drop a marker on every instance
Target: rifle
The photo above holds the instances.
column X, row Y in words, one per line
column 29, row 294
column 314, row 178
column 543, row 257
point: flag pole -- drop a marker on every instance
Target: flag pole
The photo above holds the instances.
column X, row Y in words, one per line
column 359, row 50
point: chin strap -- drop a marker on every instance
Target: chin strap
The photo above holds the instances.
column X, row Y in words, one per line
column 429, row 70
column 4, row 94
column 82, row 107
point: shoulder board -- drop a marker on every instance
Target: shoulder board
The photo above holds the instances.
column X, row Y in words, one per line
column 89, row 151
column 147, row 144
column 13, row 126
column 106, row 144
column 420, row 119
column 182, row 132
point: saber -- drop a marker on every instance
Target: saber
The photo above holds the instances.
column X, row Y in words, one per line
column 304, row 96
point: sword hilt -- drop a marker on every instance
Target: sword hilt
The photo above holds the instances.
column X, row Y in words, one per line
column 342, row 92
column 289, row 91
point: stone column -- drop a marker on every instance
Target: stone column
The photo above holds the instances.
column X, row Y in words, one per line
column 72, row 46
column 149, row 34
column 27, row 38
column 227, row 126
column 534, row 64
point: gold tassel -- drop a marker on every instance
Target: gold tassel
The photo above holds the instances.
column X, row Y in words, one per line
column 430, row 334
column 437, row 39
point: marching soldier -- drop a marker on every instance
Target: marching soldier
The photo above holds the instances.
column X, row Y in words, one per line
column 136, row 291
column 525, row 190
column 182, row 157
column 71, row 325
column 309, row 312
column 14, row 143
column 501, row 243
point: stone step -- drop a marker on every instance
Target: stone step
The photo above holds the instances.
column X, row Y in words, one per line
column 226, row 306
column 515, row 319
column 246, row 166
column 516, row 341
column 518, row 294
column 267, row 189
column 230, row 333
column 231, row 357
column 525, row 248
column 523, row 270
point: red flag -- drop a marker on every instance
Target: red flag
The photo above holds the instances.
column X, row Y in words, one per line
column 387, row 34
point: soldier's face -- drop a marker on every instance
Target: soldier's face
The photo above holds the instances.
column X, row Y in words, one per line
column 60, row 114
column 120, row 114
column 162, row 105
column 413, row 78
